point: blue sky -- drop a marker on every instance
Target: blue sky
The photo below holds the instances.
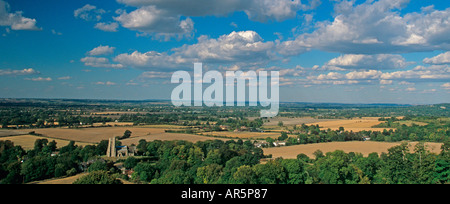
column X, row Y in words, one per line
column 347, row 51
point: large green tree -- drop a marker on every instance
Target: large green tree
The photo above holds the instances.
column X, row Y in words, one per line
column 97, row 177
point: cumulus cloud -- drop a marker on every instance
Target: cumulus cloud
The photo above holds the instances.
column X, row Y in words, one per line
column 150, row 20
column 443, row 58
column 102, row 50
column 154, row 75
column 107, row 27
column 420, row 74
column 100, row 62
column 245, row 47
column 164, row 17
column 148, row 60
column 15, row 20
column 89, row 13
column 39, row 79
column 375, row 27
column 257, row 10
column 9, row 72
column 64, row 78
column 446, row 86
column 108, row 83
column 378, row 62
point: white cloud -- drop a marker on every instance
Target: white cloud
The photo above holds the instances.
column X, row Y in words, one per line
column 257, row 10
column 375, row 27
column 154, row 75
column 107, row 27
column 9, row 72
column 148, row 60
column 264, row 10
column 443, row 58
column 15, row 20
column 54, row 32
column 420, row 74
column 150, row 20
column 377, row 62
column 446, row 86
column 102, row 50
column 372, row 74
column 39, row 79
column 245, row 47
column 386, row 82
column 349, row 78
column 89, row 13
column 100, row 62
column 429, row 91
column 65, row 78
column 108, row 83
column 164, row 17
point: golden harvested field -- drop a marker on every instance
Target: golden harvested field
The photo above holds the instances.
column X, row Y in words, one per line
column 244, row 135
column 355, row 125
column 169, row 137
column 27, row 141
column 365, row 148
column 95, row 135
column 294, row 121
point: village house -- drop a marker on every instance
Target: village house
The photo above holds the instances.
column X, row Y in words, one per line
column 279, row 143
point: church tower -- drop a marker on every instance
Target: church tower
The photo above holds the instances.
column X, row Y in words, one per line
column 111, row 152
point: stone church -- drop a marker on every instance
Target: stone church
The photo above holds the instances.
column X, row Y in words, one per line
column 119, row 151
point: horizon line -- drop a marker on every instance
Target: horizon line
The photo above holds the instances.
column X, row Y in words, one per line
column 168, row 100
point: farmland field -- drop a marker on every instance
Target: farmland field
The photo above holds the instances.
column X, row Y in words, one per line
column 6, row 133
column 244, row 135
column 365, row 148
column 95, row 135
column 355, row 125
column 294, row 121
column 27, row 141
column 168, row 137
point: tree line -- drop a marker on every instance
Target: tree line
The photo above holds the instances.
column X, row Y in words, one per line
column 45, row 161
column 217, row 162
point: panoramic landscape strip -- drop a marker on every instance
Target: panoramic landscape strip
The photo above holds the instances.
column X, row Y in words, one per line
column 247, row 93
column 155, row 142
